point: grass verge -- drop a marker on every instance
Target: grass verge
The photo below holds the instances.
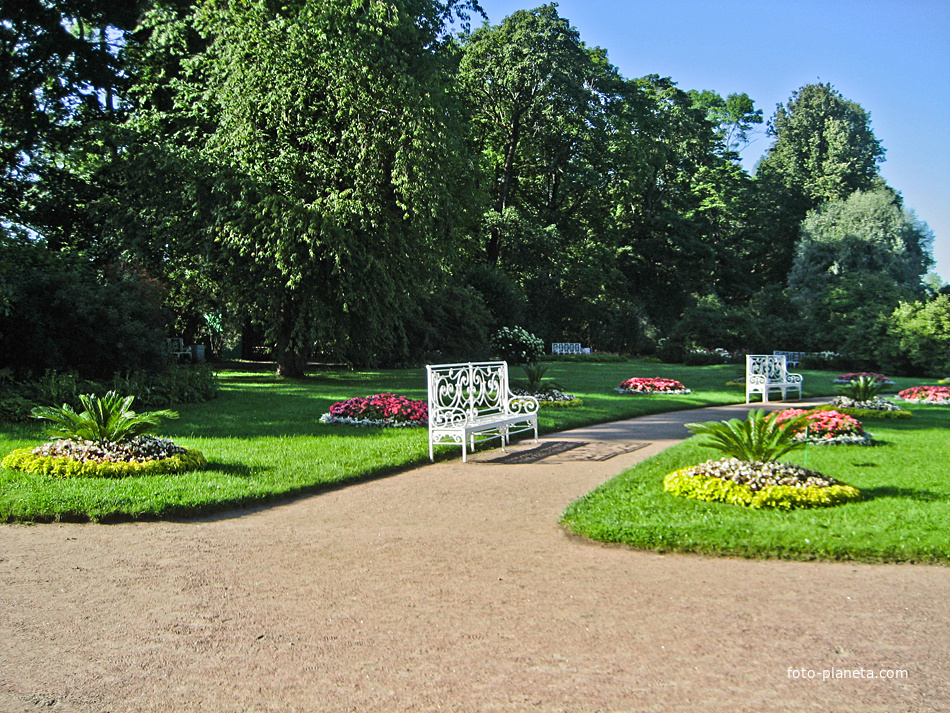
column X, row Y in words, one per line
column 901, row 517
column 264, row 442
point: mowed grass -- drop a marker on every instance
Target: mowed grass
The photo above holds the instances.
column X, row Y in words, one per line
column 903, row 516
column 264, row 441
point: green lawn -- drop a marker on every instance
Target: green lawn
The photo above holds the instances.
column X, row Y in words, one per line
column 903, row 517
column 263, row 439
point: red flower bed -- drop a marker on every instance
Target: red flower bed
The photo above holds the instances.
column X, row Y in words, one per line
column 639, row 385
column 824, row 425
column 926, row 394
column 385, row 409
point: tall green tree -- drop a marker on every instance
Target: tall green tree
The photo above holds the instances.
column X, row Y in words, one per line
column 823, row 150
column 329, row 136
column 858, row 258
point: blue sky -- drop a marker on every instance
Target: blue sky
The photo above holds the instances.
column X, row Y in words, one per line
column 891, row 57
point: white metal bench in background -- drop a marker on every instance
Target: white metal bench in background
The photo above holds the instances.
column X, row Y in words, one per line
column 791, row 358
column 474, row 400
column 566, row 348
column 765, row 373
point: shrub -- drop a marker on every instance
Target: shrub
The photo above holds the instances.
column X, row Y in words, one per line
column 517, row 346
column 865, row 413
column 922, row 333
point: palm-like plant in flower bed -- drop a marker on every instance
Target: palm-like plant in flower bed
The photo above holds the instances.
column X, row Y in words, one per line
column 106, row 439
column 862, row 393
column 751, row 474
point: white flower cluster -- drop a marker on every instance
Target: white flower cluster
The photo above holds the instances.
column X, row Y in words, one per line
column 136, row 450
column 758, row 475
column 379, row 423
column 876, row 404
column 546, row 395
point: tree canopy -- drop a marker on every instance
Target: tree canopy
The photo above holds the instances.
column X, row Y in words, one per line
column 375, row 182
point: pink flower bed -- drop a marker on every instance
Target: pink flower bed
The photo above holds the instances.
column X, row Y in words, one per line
column 638, row 385
column 926, row 394
column 854, row 376
column 379, row 410
column 824, row 425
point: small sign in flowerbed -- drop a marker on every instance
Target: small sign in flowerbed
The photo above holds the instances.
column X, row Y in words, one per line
column 926, row 395
column 855, row 376
column 826, row 427
column 638, row 385
column 386, row 410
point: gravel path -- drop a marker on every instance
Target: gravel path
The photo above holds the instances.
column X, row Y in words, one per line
column 452, row 587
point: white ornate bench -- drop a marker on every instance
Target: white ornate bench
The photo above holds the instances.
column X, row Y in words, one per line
column 765, row 373
column 469, row 400
column 566, row 348
column 791, row 358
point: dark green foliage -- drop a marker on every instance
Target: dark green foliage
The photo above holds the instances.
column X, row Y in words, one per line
column 864, row 413
column 453, row 325
column 175, row 385
column 61, row 315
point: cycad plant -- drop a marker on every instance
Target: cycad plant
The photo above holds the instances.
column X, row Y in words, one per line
column 535, row 375
column 761, row 437
column 864, row 388
column 105, row 419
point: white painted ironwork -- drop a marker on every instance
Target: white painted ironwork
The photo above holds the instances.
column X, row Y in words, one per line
column 769, row 372
column 566, row 348
column 473, row 400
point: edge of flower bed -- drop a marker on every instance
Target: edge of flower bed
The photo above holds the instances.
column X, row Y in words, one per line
column 23, row 459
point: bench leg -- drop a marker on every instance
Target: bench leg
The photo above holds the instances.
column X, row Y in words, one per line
column 431, row 451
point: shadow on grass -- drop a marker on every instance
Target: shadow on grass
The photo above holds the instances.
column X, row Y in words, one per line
column 888, row 491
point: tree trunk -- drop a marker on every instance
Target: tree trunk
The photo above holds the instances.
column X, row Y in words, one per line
column 290, row 355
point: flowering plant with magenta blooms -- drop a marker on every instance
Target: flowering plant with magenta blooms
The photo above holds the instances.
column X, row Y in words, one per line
column 379, row 410
column 638, row 385
column 926, row 394
column 823, row 425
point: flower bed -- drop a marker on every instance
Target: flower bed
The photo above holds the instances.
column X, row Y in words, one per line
column 550, row 398
column 926, row 395
column 387, row 410
column 651, row 386
column 755, row 484
column 875, row 404
column 854, row 376
column 828, row 427
column 143, row 455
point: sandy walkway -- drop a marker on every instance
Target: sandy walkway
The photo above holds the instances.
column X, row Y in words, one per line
column 451, row 587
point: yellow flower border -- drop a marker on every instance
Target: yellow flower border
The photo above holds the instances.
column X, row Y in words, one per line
column 782, row 497
column 23, row 459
